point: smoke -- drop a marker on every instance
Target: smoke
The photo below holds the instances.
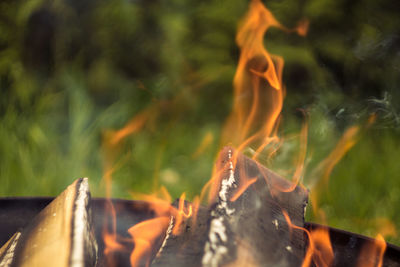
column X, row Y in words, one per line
column 385, row 110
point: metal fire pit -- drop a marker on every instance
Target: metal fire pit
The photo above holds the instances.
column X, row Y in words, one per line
column 15, row 213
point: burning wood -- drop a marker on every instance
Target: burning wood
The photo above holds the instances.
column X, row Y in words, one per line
column 348, row 248
column 256, row 217
column 60, row 235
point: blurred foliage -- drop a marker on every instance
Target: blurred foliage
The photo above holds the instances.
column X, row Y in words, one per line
column 71, row 71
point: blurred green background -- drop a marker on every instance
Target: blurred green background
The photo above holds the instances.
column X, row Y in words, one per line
column 71, row 71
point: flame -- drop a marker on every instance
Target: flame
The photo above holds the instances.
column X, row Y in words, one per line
column 258, row 94
column 346, row 142
column 319, row 251
column 385, row 227
column 110, row 148
column 112, row 242
column 323, row 252
column 243, row 188
column 372, row 253
column 159, row 202
column 253, row 122
column 180, row 214
column 258, row 99
column 258, row 88
column 311, row 245
column 325, row 168
column 144, row 235
column 132, row 126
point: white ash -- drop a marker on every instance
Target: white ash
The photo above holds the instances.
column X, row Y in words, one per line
column 227, row 185
column 167, row 234
column 276, row 223
column 215, row 248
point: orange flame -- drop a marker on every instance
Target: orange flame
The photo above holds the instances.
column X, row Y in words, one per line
column 159, row 201
column 311, row 245
column 346, row 142
column 147, row 232
column 243, row 188
column 319, row 251
column 325, row 168
column 372, row 254
column 144, row 235
column 254, row 121
column 132, row 127
column 113, row 242
column 258, row 94
column 180, row 214
column 385, row 227
column 323, row 252
column 111, row 140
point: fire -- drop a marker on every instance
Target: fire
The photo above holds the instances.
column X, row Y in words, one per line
column 113, row 243
column 254, row 121
column 258, row 88
column 258, row 94
column 144, row 235
column 160, row 203
column 323, row 254
column 372, row 254
column 181, row 214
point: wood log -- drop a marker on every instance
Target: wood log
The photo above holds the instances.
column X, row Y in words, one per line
column 17, row 212
column 60, row 235
column 254, row 220
column 185, row 248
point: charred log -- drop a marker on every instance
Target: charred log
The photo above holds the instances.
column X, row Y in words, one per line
column 237, row 224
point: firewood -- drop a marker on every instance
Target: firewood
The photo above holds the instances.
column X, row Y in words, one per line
column 20, row 211
column 60, row 235
column 184, row 248
column 255, row 219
